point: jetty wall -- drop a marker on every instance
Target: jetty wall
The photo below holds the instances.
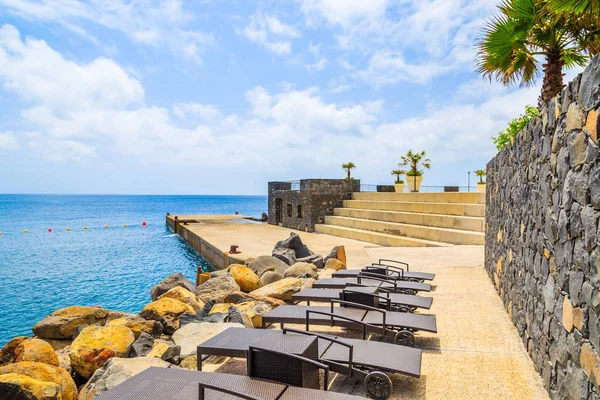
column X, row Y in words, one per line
column 542, row 237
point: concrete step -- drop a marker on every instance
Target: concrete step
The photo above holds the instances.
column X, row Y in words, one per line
column 471, row 210
column 383, row 239
column 475, row 224
column 444, row 235
column 461, row 197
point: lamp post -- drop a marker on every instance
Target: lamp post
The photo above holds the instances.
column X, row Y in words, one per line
column 469, row 182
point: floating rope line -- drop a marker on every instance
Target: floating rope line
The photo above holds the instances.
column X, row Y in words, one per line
column 144, row 224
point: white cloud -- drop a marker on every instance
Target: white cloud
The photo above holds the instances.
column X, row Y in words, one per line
column 387, row 67
column 147, row 22
column 344, row 13
column 270, row 33
column 289, row 130
column 8, row 141
column 203, row 111
column 38, row 74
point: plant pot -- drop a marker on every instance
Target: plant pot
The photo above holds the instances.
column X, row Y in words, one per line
column 399, row 187
column 481, row 187
column 414, row 183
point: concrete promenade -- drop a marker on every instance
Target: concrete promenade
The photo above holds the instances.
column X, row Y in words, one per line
column 476, row 354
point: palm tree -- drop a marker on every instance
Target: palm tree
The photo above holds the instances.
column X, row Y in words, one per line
column 398, row 173
column 480, row 173
column 525, row 30
column 349, row 167
column 413, row 159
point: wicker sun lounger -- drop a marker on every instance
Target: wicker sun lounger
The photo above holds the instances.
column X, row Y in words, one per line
column 384, row 268
column 376, row 280
column 398, row 325
column 180, row 384
column 366, row 360
column 368, row 295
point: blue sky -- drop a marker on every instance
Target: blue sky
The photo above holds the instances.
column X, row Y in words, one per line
column 219, row 97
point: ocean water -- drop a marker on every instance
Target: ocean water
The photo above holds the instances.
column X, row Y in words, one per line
column 114, row 267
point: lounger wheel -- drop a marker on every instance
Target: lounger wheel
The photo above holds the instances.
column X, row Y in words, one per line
column 378, row 385
column 405, row 337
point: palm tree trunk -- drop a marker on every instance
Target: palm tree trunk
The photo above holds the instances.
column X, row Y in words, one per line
column 553, row 76
column 348, row 173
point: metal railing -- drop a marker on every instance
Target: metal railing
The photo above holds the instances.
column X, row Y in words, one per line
column 423, row 188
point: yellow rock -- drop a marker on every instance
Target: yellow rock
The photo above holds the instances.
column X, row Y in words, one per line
column 41, row 390
column 254, row 310
column 241, row 297
column 166, row 311
column 285, row 288
column 578, row 318
column 96, row 344
column 190, row 362
column 590, row 361
column 63, row 323
column 184, row 296
column 341, row 254
column 138, row 325
column 245, row 278
column 499, row 265
column 7, row 353
column 591, row 126
column 547, row 253
column 335, row 264
column 567, row 315
column 36, row 350
column 46, row 373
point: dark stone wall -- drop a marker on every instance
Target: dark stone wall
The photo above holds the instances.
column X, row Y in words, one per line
column 542, row 236
column 302, row 209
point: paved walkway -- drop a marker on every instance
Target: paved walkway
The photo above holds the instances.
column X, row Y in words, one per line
column 477, row 353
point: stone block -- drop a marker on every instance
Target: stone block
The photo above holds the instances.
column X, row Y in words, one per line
column 592, row 125
column 567, row 314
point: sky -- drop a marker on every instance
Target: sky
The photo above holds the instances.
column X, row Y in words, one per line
column 220, row 97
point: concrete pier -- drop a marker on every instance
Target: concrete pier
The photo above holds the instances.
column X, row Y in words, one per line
column 213, row 235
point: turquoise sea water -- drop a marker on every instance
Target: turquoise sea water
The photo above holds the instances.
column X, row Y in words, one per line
column 114, row 267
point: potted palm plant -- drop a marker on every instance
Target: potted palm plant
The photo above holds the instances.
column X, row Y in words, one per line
column 414, row 175
column 481, row 184
column 399, row 183
column 349, row 167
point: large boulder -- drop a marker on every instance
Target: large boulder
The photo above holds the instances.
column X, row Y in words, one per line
column 338, row 252
column 245, row 278
column 166, row 351
column 138, row 325
column 191, row 335
column 116, row 371
column 44, row 373
column 216, row 288
column 267, row 263
column 315, row 259
column 226, row 312
column 288, row 256
column 241, row 297
column 269, row 277
column 294, row 242
column 335, row 264
column 285, row 288
column 169, row 283
column 63, row 323
column 21, row 387
column 7, row 353
column 36, row 350
column 254, row 310
column 166, row 311
column 184, row 296
column 97, row 344
column 64, row 361
column 302, row 270
column 142, row 345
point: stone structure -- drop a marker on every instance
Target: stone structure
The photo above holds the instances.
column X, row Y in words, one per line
column 302, row 209
column 542, row 236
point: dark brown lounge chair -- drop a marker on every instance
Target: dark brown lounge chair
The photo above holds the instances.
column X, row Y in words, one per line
column 180, row 384
column 398, row 325
column 375, row 280
column 362, row 359
column 368, row 295
column 384, row 268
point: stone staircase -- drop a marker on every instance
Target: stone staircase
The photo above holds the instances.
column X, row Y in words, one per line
column 410, row 219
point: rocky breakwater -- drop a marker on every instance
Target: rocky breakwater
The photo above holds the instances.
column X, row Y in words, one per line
column 79, row 352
